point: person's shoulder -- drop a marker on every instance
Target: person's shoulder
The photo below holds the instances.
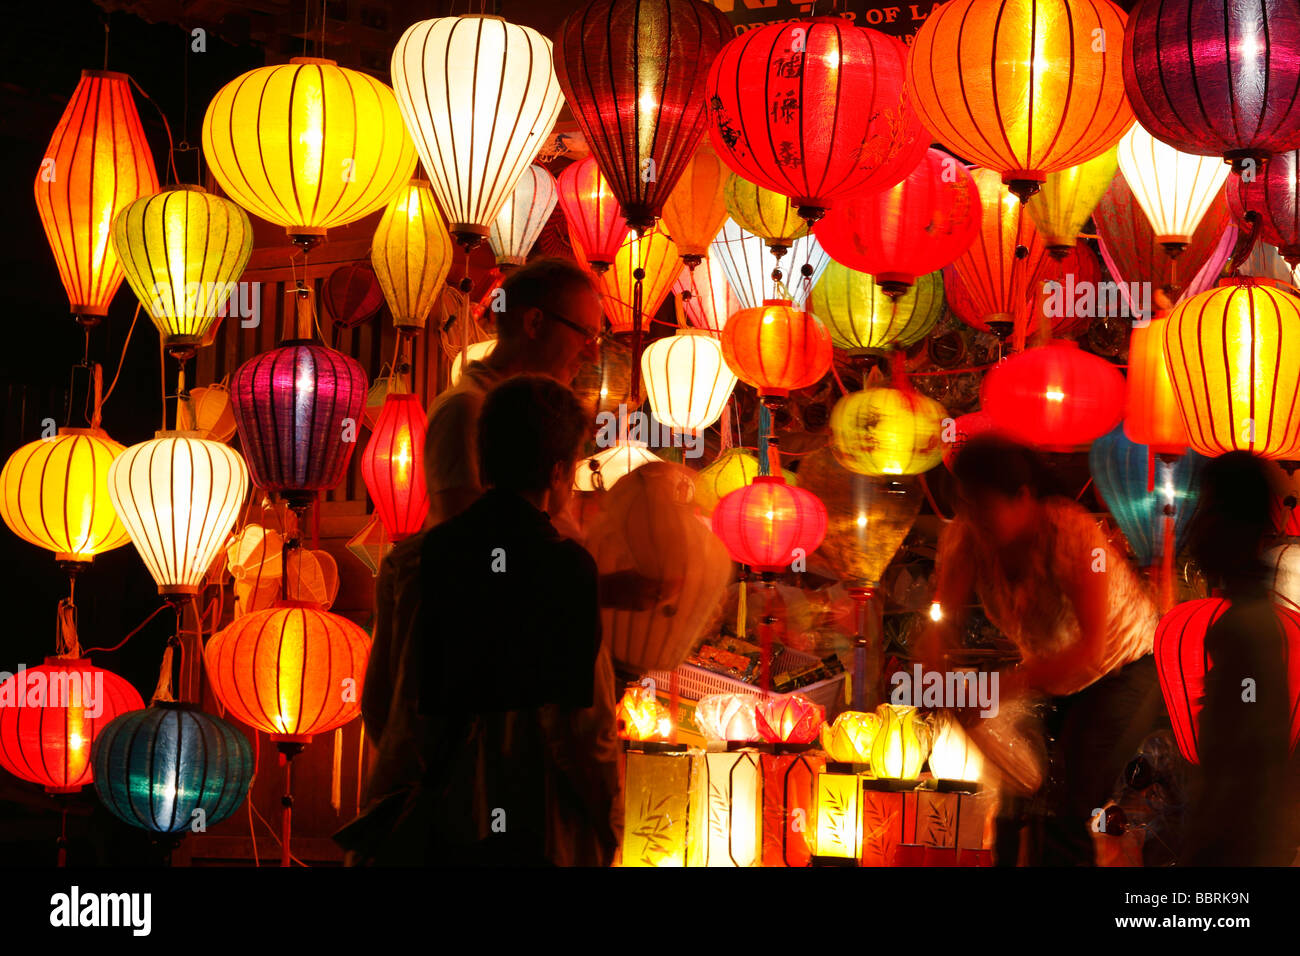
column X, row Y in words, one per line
column 575, row 556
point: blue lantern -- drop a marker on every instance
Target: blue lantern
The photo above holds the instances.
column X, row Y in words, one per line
column 159, row 767
column 1119, row 468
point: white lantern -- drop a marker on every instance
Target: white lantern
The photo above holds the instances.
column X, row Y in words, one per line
column 687, row 379
column 612, row 464
column 1174, row 189
column 953, row 756
column 479, row 97
column 521, row 219
column 1284, row 565
column 178, row 496
column 747, row 263
column 711, row 301
column 476, row 352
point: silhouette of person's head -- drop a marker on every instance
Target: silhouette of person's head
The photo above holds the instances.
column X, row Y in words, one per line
column 1232, row 520
column 999, row 486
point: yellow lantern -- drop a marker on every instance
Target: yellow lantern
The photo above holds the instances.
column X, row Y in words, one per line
column 862, row 318
column 953, row 756
column 411, row 253
column 54, row 494
column 901, row 745
column 888, row 431
column 849, row 737
column 1173, row 188
column 1068, row 198
column 764, row 213
column 182, row 251
column 641, row 717
column 663, row 802
column 694, row 211
column 308, row 145
column 656, row 253
column 687, row 380
column 732, row 469
column 838, row 790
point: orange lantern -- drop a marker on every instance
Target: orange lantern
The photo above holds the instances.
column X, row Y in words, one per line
column 695, row 211
column 789, row 720
column 641, row 717
column 1153, row 417
column 655, row 254
column 776, row 348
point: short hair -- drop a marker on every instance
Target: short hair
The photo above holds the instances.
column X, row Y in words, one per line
column 997, row 464
column 538, row 284
column 528, row 425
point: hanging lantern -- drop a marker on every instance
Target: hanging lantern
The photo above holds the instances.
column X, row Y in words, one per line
column 1067, row 293
column 521, row 219
column 762, row 212
column 592, row 212
column 170, row 766
column 307, row 145
column 686, row 379
column 603, row 470
column 210, row 412
column 815, row 110
column 1055, row 398
column 605, row 384
column 907, row 230
column 963, row 429
column 411, row 255
column 953, row 756
column 51, row 744
column 1274, row 193
column 392, row 465
column 1173, row 188
column 728, row 718
column 777, row 348
column 768, row 525
column 705, row 295
column 861, row 317
column 641, row 717
column 1068, row 197
column 183, row 251
column 887, row 431
column 1153, row 417
column 902, row 743
column 1285, row 487
column 1216, row 77
column 789, row 720
column 97, row 162
column 1022, row 87
column 291, row 671
column 1234, row 359
column 733, row 468
column 655, row 254
column 749, row 264
column 475, row 352
column 695, row 209
column 54, row 494
column 352, row 294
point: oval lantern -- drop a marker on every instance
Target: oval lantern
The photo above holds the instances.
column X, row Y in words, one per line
column 901, row 744
column 1153, row 417
column 1068, row 197
column 861, row 317
column 687, row 380
column 1020, row 86
column 749, row 264
column 352, row 294
column 1274, row 193
column 411, row 255
column 777, row 348
column 762, row 212
column 523, row 216
column 888, row 431
column 97, row 162
column 695, row 209
column 769, row 524
column 706, row 296
column 591, row 210
column 167, row 766
column 733, row 468
column 392, row 465
column 656, row 254
column 307, row 145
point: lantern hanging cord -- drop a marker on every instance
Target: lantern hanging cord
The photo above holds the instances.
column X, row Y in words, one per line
column 121, row 360
column 171, row 145
column 133, row 633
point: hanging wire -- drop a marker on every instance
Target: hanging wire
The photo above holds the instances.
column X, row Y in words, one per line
column 171, row 145
column 134, row 631
column 122, row 358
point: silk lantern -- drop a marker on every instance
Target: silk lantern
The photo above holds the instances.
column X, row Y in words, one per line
column 695, row 209
column 592, row 213
column 789, row 807
column 1068, row 197
column 777, row 348
column 705, row 295
column 655, row 254
column 663, row 801
column 687, row 380
column 1233, row 354
column 209, row 412
column 641, row 717
column 953, row 755
column 815, row 110
column 307, row 145
column 1067, row 293
column 182, row 251
column 603, row 470
column 522, row 217
column 762, row 212
column 733, row 468
column 50, row 743
column 178, row 497
column 392, row 465
column 1173, row 188
column 847, row 743
column 171, row 768
column 479, row 96
column 1273, row 193
column 351, row 294
column 769, row 525
column 902, row 743
column 963, row 429
column 1022, row 87
column 475, row 352
column 848, row 739
column 728, row 718
column 97, row 162
column 888, row 431
column 1153, row 417
column 411, row 255
column 730, row 834
column 861, row 317
column 789, row 720
column 749, row 266
column 54, row 494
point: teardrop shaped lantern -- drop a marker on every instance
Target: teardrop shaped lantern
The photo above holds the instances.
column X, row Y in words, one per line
column 169, row 765
column 861, row 317
column 591, row 210
column 706, row 296
column 1173, row 188
column 655, row 254
column 96, row 163
column 750, row 266
column 392, row 465
column 178, row 497
column 1068, row 197
column 887, row 431
column 815, row 110
column 351, row 294
column 762, row 212
column 901, row 744
column 522, row 217
column 687, row 380
column 1153, row 417
column 479, row 96
column 695, row 209
column 768, row 524
column 1234, row 359
column 411, row 254
column 307, row 145
column 182, row 251
column 777, row 348
column 1022, row 87
column 1274, row 193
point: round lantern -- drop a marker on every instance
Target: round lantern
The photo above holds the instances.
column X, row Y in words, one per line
column 1056, row 397
column 1022, row 87
column 762, row 212
column 815, row 110
column 522, row 217
column 861, row 317
column 411, row 254
column 591, row 210
column 776, row 348
column 655, row 254
column 1153, row 417
column 695, row 210
column 748, row 265
column 1285, row 499
column 182, row 251
column 299, row 408
column 887, row 431
column 50, row 744
column 479, row 96
column 171, row 766
column 733, row 468
column 687, row 380
column 1216, row 77
column 1067, row 199
column 392, row 465
column 902, row 743
column 710, row 301
column 1173, row 188
column 789, row 720
column 307, row 145
column 768, row 524
column 1066, row 294
column 907, row 230
column 953, row 756
column 1234, row 359
column 97, row 162
column 291, row 671
column 1274, row 193
column 849, row 737
column 54, row 494
column 352, row 294
column 178, row 497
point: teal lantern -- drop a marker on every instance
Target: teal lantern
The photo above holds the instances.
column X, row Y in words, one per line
column 171, row 768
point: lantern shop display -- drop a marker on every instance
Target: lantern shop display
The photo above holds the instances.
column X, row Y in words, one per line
column 524, row 214
column 1173, row 188
column 351, row 295
column 687, row 380
column 1067, row 198
column 776, row 348
column 1067, row 294
column 392, row 465
column 730, row 833
column 733, row 468
column 861, row 317
column 210, row 412
column 411, row 255
column 789, row 720
column 887, row 430
column 603, row 470
column 847, row 743
column 769, row 525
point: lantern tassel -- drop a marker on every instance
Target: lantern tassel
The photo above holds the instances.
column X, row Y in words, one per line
column 1167, row 563
column 725, row 440
column 163, row 691
column 764, row 433
column 635, row 392
column 1151, row 469
column 66, row 641
column 336, row 772
column 741, row 611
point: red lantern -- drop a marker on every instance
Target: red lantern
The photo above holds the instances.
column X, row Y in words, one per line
column 591, row 210
column 815, row 110
column 963, row 429
column 776, row 348
column 392, row 465
column 789, row 720
column 1274, row 193
column 1056, row 397
column 1064, row 293
column 352, row 294
column 768, row 524
column 907, row 230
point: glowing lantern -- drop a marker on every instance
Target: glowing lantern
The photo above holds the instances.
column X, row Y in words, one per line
column 1022, row 87
column 789, row 720
column 178, row 497
column 815, row 110
column 392, row 465
column 887, row 431
column 749, row 265
column 686, row 379
column 411, row 255
column 762, row 212
column 695, row 210
column 902, row 743
column 603, row 470
column 728, row 718
column 97, row 163
column 907, row 230
column 777, row 348
column 862, row 317
column 964, row 428
column 1056, row 397
column 953, row 756
column 1067, row 199
column 705, row 295
column 479, row 96
column 308, row 145
column 732, row 469
column 209, row 412
column 51, row 715
column 54, row 494
column 1216, row 77
column 590, row 208
column 1067, row 293
column 1153, row 417
column 1274, row 193
column 291, row 671
column 663, row 800
column 1234, row 358
column 769, row 525
column 605, row 384
column 847, row 743
column 641, row 717
column 731, row 832
column 523, row 216
column 165, row 767
column 476, row 352
column 1174, row 189
column 848, row 739
column 182, row 251
column 789, row 807
column 656, row 254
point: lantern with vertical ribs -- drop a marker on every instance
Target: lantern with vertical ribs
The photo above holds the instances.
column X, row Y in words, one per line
column 769, row 525
column 749, row 265
column 1153, row 417
column 687, row 380
column 1173, row 188
column 762, row 212
column 1274, row 193
column 392, row 465
column 656, row 254
column 705, row 295
column 1067, row 199
column 523, row 216
column 887, row 431
column 695, row 209
column 411, row 255
column 776, row 348
column 591, row 211
column 862, row 317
